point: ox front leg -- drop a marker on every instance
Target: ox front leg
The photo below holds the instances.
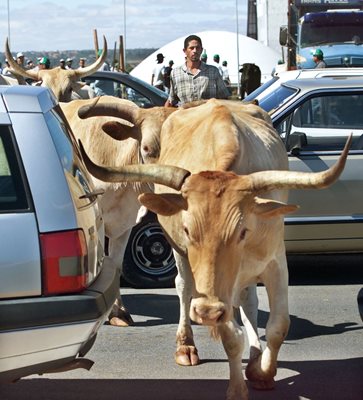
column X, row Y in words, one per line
column 232, row 338
column 119, row 315
column 186, row 352
column 262, row 368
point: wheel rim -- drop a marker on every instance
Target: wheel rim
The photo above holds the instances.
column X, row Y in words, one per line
column 151, row 251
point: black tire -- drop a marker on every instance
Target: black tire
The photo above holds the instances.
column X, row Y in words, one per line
column 149, row 260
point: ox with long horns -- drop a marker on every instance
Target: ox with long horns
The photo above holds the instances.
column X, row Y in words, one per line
column 62, row 82
column 226, row 225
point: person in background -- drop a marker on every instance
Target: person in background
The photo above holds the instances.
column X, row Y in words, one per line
column 167, row 72
column 318, row 57
column 204, row 56
column 216, row 60
column 62, row 63
column 29, row 64
column 157, row 76
column 225, row 73
column 82, row 62
column 20, row 59
column 195, row 80
column 44, row 63
column 69, row 62
column 6, row 69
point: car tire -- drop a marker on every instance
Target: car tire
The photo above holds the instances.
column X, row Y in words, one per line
column 149, row 260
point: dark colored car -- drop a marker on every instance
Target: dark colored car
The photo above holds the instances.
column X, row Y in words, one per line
column 126, row 86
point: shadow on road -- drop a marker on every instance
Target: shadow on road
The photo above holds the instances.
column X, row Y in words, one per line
column 314, row 380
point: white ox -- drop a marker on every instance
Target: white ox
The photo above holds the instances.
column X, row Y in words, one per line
column 226, row 226
column 119, row 202
column 65, row 84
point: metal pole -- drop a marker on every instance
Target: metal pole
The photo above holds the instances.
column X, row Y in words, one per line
column 124, row 41
column 237, row 34
column 9, row 24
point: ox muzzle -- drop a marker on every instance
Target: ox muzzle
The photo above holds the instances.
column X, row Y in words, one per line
column 210, row 312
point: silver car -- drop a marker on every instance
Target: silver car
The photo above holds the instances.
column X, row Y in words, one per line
column 56, row 286
column 314, row 115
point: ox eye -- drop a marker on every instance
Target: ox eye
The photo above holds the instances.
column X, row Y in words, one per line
column 242, row 234
column 186, row 231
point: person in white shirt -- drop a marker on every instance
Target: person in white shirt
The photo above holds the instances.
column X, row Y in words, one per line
column 216, row 63
column 157, row 77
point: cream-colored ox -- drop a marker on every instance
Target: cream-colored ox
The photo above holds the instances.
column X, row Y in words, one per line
column 226, row 226
column 119, row 202
column 63, row 82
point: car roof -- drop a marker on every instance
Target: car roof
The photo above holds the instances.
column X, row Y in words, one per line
column 326, row 82
column 26, row 98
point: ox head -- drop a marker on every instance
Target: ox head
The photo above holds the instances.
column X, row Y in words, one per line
column 146, row 124
column 223, row 222
column 61, row 81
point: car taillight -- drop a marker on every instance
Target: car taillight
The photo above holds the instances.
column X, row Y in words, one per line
column 64, row 262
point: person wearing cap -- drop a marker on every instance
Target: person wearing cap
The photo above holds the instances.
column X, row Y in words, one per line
column 318, row 57
column 195, row 80
column 204, row 56
column 82, row 62
column 7, row 69
column 62, row 63
column 216, row 60
column 167, row 72
column 44, row 63
column 157, row 76
column 69, row 62
column 30, row 64
column 20, row 59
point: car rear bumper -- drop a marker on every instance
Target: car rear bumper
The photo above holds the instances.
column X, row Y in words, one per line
column 44, row 334
column 88, row 305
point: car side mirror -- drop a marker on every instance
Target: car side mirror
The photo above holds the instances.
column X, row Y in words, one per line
column 296, row 141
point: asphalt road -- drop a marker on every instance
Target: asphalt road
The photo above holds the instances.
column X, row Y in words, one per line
column 321, row 359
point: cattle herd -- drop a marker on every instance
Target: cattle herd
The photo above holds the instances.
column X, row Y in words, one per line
column 216, row 174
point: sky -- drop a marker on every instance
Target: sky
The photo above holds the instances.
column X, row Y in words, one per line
column 45, row 25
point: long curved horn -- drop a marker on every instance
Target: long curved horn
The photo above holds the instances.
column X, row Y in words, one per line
column 129, row 113
column 16, row 67
column 269, row 180
column 90, row 69
column 166, row 175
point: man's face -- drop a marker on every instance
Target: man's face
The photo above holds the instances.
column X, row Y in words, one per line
column 193, row 51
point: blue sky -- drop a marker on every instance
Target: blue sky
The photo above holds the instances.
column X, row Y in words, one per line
column 68, row 24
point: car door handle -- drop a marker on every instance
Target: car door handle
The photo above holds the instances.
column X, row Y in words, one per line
column 98, row 192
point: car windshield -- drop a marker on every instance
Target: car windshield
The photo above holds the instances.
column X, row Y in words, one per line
column 261, row 89
column 332, row 28
column 273, row 100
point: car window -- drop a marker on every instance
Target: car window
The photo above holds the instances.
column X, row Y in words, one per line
column 70, row 159
column 324, row 122
column 103, row 86
column 274, row 99
column 12, row 185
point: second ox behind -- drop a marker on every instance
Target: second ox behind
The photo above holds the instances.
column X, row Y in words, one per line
column 223, row 214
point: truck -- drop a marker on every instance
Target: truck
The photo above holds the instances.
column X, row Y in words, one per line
column 333, row 26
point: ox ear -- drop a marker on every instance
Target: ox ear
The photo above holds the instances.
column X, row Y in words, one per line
column 118, row 131
column 163, row 204
column 271, row 208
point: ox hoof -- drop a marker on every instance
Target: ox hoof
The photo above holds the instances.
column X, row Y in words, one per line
column 263, row 385
column 120, row 317
column 187, row 356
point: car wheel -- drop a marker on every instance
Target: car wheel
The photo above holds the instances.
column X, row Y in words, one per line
column 149, row 260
